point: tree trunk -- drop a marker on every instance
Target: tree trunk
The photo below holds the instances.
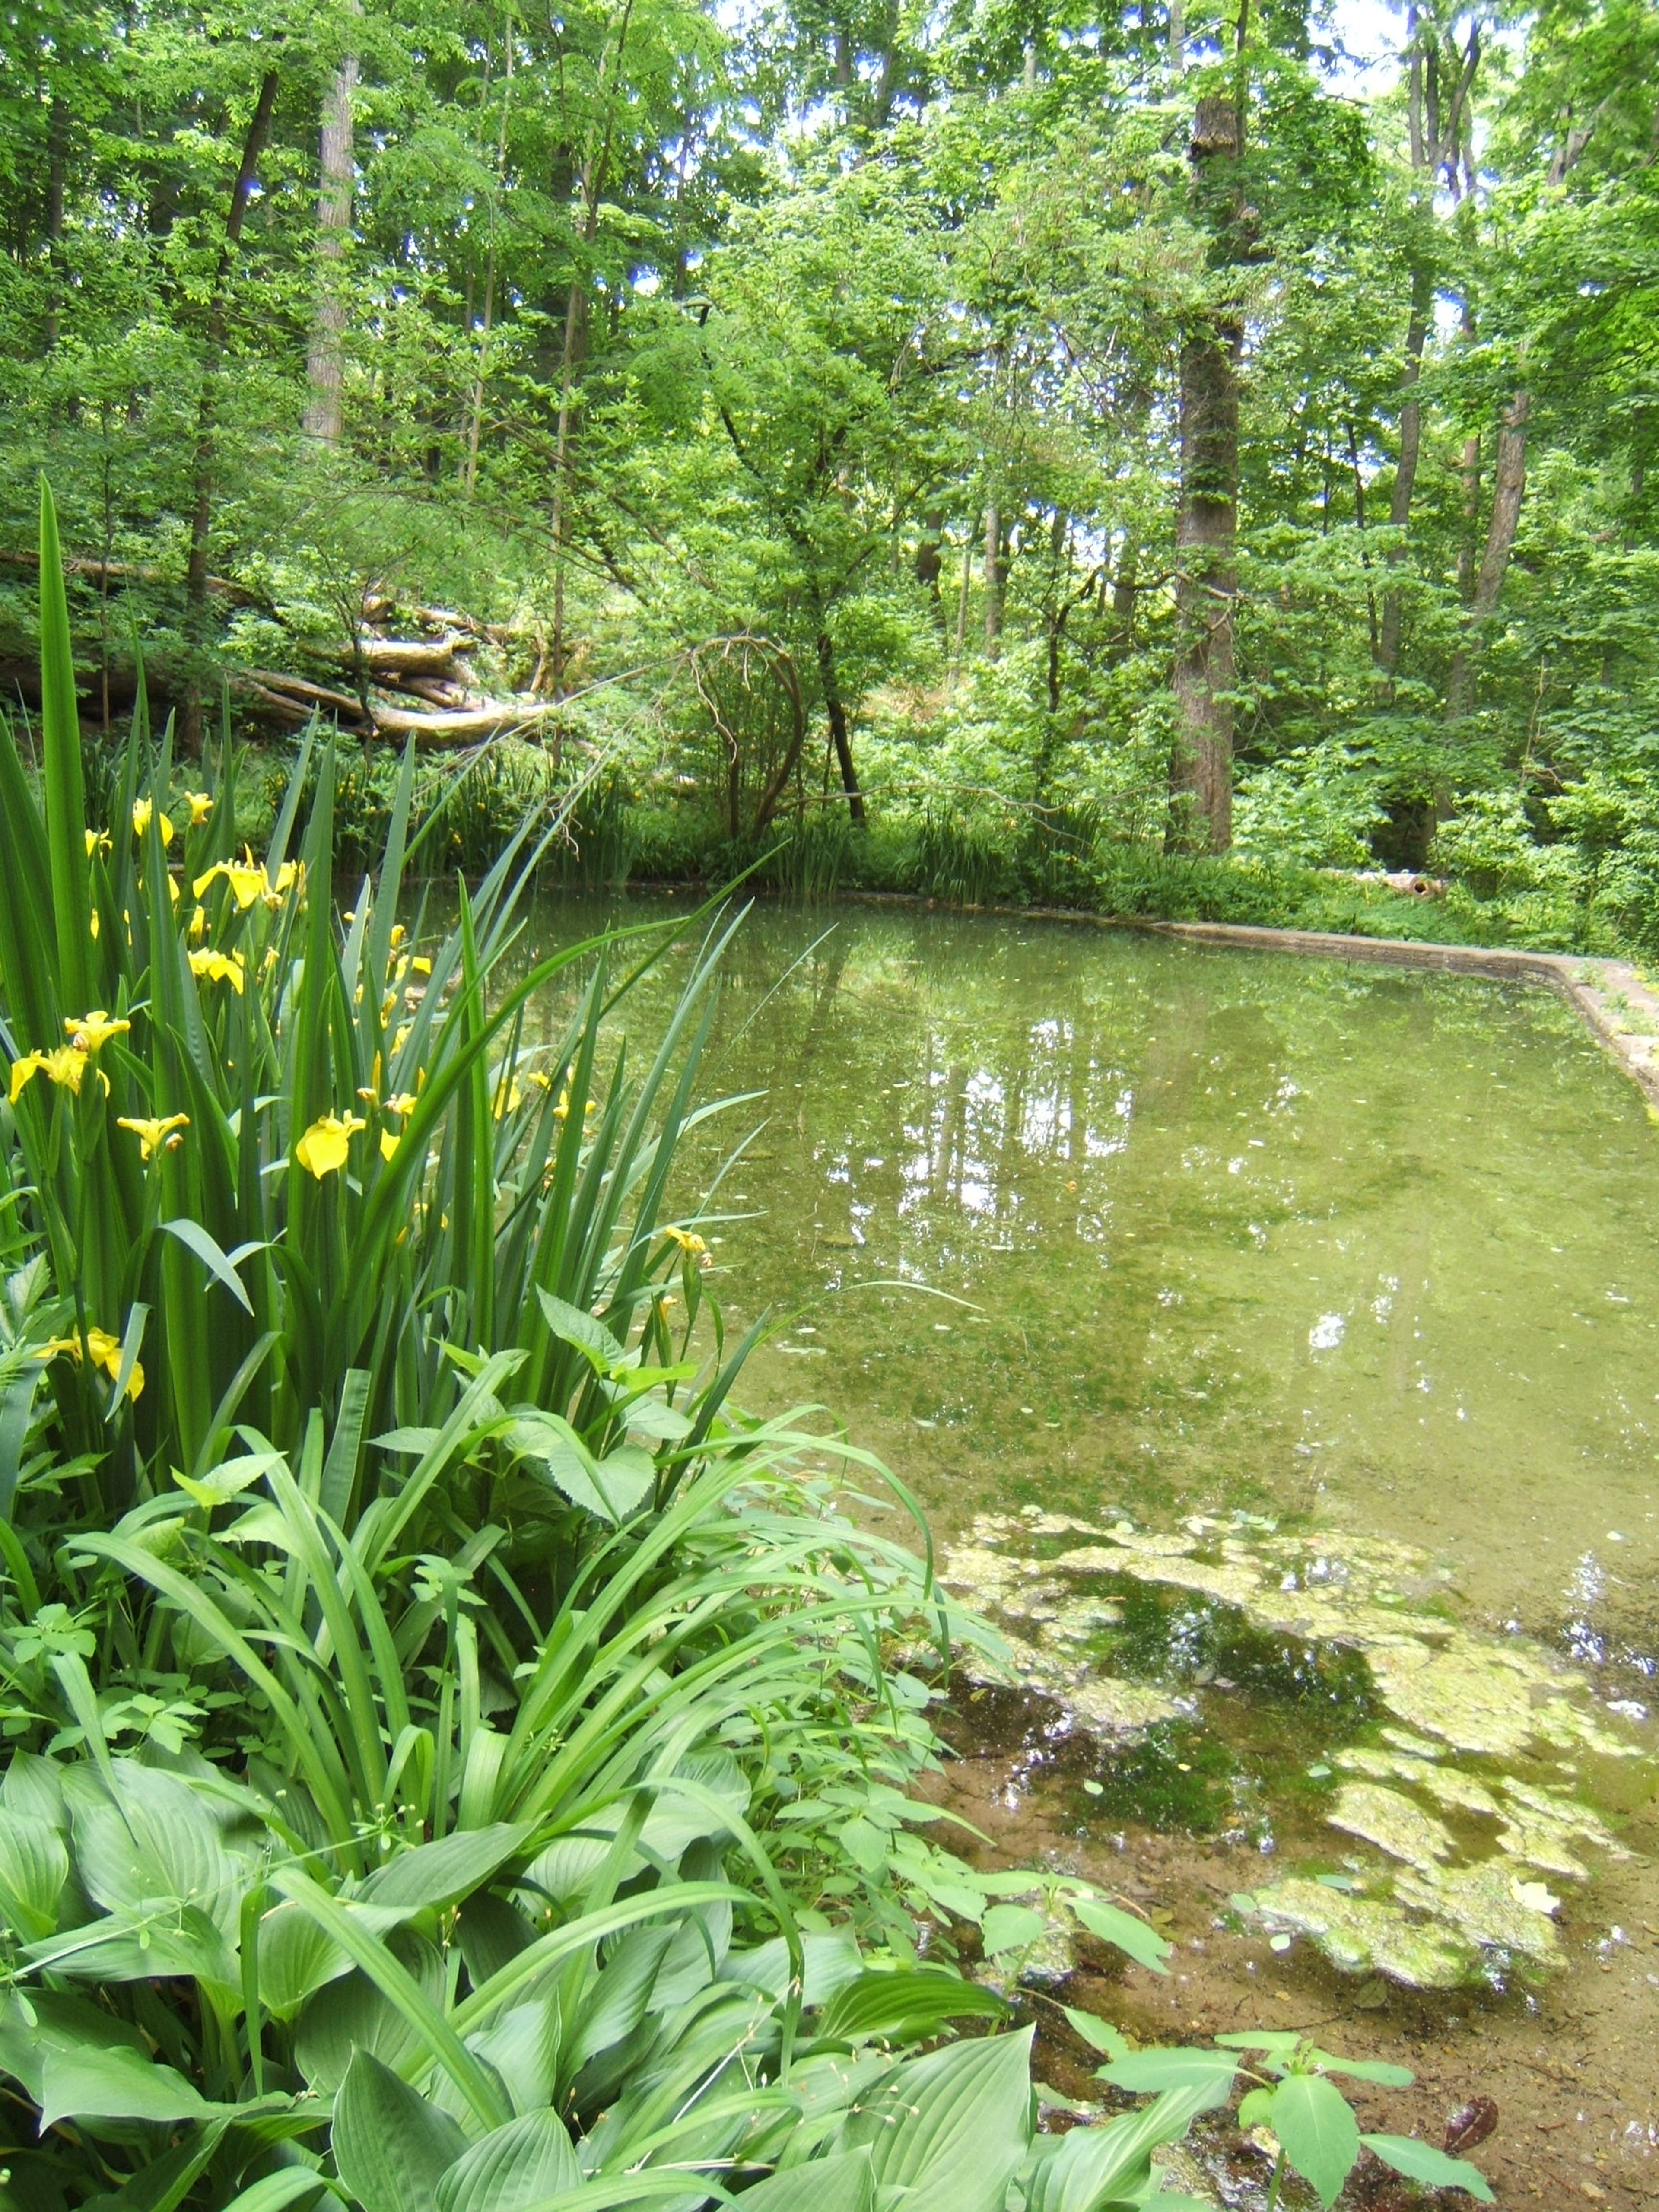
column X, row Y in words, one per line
column 595, row 175
column 963, row 589
column 474, row 411
column 213, row 347
column 993, row 580
column 1124, row 595
column 1405, row 475
column 57, row 175
column 835, row 708
column 930, row 562
column 1508, row 488
column 326, row 357
column 1206, row 577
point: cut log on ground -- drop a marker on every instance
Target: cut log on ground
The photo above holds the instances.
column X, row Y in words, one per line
column 471, row 727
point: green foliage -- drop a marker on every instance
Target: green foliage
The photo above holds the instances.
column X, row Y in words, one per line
column 696, row 360
column 1296, row 2099
column 464, row 1771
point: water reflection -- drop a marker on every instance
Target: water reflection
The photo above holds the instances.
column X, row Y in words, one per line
column 1235, row 1231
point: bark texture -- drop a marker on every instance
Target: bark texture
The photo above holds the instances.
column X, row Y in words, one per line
column 835, row 708
column 1206, row 573
column 325, row 355
column 207, row 409
column 1405, row 475
column 1508, row 488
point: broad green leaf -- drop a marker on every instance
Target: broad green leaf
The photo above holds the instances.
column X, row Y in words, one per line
column 1421, row 2162
column 570, row 1325
column 1255, row 2108
column 138, row 1945
column 158, row 1845
column 651, row 1417
column 610, row 1489
column 949, row 2129
column 844, row 2183
column 228, row 1479
column 352, row 2015
column 33, row 2027
column 1112, row 1925
column 831, row 1962
column 513, row 2168
column 276, row 2192
column 1098, row 2034
column 1094, row 2165
column 295, row 1958
column 391, row 2147
column 443, row 1873
column 1316, row 2124
column 619, row 1997
column 1279, row 2041
column 116, row 2083
column 33, row 1867
column 1012, row 1928
column 522, row 2047
column 911, row 2005
column 1363, row 2069
column 1149, row 2073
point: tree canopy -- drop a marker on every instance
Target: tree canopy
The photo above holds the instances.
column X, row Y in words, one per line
column 1000, row 407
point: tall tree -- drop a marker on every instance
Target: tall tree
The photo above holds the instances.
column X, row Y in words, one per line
column 325, row 355
column 1207, row 529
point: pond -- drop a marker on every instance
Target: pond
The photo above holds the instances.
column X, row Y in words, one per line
column 1274, row 1345
column 1373, row 1248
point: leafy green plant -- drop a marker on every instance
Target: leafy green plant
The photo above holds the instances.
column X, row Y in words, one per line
column 1294, row 2097
column 454, row 1761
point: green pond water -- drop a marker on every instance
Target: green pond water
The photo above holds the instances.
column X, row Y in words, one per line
column 1359, row 1249
column 1274, row 1345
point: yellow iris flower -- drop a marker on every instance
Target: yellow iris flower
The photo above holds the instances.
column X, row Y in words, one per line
column 245, row 877
column 104, row 1351
column 155, row 1134
column 200, row 805
column 322, row 1150
column 97, row 842
column 88, row 1031
column 64, row 1065
column 142, row 812
column 218, row 967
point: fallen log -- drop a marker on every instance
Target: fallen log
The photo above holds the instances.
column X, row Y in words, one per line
column 385, row 657
column 298, row 691
column 122, row 572
column 468, row 726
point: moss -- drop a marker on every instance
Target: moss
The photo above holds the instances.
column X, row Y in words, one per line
column 1394, row 1822
column 1290, row 1646
column 1364, row 1935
